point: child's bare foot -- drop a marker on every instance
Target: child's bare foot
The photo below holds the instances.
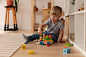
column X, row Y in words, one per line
column 61, row 41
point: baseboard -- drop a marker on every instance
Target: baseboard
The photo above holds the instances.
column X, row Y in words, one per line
column 24, row 28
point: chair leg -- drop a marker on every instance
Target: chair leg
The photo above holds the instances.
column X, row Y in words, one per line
column 8, row 20
column 13, row 18
column 5, row 20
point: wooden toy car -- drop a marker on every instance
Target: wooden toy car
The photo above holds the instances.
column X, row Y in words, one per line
column 45, row 40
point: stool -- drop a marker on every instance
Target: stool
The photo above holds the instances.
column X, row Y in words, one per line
column 6, row 26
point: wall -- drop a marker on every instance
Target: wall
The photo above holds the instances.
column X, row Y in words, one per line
column 59, row 3
column 24, row 13
column 2, row 14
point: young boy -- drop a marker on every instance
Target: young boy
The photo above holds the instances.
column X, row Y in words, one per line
column 55, row 26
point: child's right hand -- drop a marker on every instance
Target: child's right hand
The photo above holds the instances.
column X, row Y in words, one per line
column 39, row 32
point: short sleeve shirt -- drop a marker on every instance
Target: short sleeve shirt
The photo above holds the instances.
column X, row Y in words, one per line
column 54, row 28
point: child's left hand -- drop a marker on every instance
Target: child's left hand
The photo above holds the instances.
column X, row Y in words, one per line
column 61, row 41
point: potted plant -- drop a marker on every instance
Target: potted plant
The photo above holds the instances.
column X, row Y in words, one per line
column 11, row 2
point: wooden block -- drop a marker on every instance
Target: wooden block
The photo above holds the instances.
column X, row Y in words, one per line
column 82, row 5
column 23, row 46
column 80, row 9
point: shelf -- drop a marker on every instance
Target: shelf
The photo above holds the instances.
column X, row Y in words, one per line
column 77, row 24
column 79, row 12
column 38, row 12
column 72, row 13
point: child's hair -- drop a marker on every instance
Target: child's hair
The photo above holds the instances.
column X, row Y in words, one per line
column 56, row 10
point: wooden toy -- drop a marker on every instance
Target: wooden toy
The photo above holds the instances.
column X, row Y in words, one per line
column 45, row 40
column 82, row 5
column 67, row 50
column 80, row 9
column 26, row 42
column 65, row 47
column 48, row 45
column 23, row 46
column 69, row 44
column 31, row 52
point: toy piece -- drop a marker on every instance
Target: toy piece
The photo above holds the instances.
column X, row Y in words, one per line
column 67, row 50
column 41, row 42
column 44, row 35
column 26, row 42
column 69, row 44
column 48, row 42
column 82, row 5
column 65, row 47
column 31, row 52
column 40, row 38
column 80, row 9
column 48, row 45
column 50, row 36
column 23, row 46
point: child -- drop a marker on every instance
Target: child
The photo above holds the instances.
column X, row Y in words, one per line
column 55, row 26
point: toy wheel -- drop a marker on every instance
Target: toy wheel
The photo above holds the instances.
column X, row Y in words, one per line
column 48, row 42
column 41, row 42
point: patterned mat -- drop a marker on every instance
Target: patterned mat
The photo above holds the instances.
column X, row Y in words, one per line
column 9, row 43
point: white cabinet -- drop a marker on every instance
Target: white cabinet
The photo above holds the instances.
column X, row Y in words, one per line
column 77, row 23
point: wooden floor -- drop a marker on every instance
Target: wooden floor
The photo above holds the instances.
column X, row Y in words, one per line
column 54, row 50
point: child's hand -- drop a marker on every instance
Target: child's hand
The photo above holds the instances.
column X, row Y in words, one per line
column 61, row 41
column 39, row 32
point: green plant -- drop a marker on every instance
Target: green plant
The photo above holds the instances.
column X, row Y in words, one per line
column 16, row 4
column 73, row 2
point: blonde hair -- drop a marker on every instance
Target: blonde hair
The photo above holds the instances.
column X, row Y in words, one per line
column 56, row 10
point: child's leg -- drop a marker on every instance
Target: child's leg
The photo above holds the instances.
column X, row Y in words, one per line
column 36, row 36
column 33, row 37
column 54, row 37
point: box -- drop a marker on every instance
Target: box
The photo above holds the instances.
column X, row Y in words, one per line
column 49, row 5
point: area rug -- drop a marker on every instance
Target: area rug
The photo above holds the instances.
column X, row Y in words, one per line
column 9, row 43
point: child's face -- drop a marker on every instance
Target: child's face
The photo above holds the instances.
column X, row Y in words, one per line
column 54, row 18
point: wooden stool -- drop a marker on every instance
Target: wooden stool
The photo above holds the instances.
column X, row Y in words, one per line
column 6, row 27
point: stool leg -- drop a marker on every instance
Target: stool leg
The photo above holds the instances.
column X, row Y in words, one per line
column 8, row 21
column 13, row 18
column 5, row 20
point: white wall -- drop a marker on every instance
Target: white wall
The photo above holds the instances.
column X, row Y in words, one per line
column 60, row 3
column 24, row 13
column 2, row 14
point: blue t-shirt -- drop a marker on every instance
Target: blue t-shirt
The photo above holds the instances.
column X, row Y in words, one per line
column 54, row 28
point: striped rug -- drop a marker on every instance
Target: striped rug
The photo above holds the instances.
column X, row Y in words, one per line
column 9, row 43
